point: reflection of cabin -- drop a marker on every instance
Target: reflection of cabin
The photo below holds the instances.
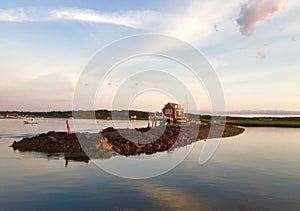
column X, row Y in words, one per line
column 173, row 112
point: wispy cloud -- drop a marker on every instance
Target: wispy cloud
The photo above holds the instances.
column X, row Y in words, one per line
column 131, row 18
column 14, row 15
column 193, row 23
column 256, row 11
column 196, row 22
column 134, row 19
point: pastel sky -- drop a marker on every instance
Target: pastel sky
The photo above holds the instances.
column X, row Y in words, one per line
column 253, row 45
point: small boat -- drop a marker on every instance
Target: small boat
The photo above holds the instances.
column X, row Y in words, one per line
column 31, row 121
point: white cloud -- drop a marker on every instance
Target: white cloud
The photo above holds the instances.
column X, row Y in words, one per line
column 14, row 15
column 194, row 23
column 256, row 11
column 131, row 18
column 197, row 22
column 134, row 19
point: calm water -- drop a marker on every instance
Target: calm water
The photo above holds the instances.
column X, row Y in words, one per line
column 259, row 169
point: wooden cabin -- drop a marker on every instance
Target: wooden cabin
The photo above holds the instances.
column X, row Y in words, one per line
column 173, row 112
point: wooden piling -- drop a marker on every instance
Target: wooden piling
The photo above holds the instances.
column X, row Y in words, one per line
column 68, row 126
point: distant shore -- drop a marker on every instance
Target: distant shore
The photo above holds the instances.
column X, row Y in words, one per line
column 291, row 122
column 267, row 121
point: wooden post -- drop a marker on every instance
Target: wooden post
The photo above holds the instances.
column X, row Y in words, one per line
column 68, row 126
column 67, row 162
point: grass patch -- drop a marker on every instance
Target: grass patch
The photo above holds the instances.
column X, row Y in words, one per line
column 266, row 123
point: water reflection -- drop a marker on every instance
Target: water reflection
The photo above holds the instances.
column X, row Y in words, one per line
column 83, row 157
column 257, row 170
column 171, row 197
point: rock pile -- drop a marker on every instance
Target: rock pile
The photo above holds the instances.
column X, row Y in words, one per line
column 112, row 141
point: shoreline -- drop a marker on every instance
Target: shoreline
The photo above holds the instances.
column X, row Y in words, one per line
column 279, row 122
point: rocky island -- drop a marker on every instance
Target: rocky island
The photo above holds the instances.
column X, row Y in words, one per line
column 111, row 141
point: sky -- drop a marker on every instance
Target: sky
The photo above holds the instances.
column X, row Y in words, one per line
column 252, row 45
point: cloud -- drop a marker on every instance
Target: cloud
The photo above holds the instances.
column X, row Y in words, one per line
column 131, row 18
column 197, row 22
column 256, row 11
column 14, row 15
column 261, row 54
column 134, row 19
column 194, row 23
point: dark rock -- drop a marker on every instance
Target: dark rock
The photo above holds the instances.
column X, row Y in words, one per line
column 53, row 139
column 98, row 147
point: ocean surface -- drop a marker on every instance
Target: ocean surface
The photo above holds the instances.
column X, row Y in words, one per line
column 257, row 170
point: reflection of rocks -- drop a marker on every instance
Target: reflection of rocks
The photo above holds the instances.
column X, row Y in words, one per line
column 111, row 142
column 81, row 157
column 77, row 157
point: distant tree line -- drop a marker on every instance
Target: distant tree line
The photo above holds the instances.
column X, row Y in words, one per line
column 99, row 114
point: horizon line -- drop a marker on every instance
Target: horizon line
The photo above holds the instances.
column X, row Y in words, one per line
column 243, row 111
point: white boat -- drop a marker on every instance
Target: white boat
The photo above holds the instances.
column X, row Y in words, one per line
column 31, row 121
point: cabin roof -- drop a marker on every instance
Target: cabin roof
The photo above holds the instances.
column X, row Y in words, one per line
column 173, row 105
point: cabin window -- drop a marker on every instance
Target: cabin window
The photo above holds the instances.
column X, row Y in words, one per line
column 168, row 111
column 179, row 113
